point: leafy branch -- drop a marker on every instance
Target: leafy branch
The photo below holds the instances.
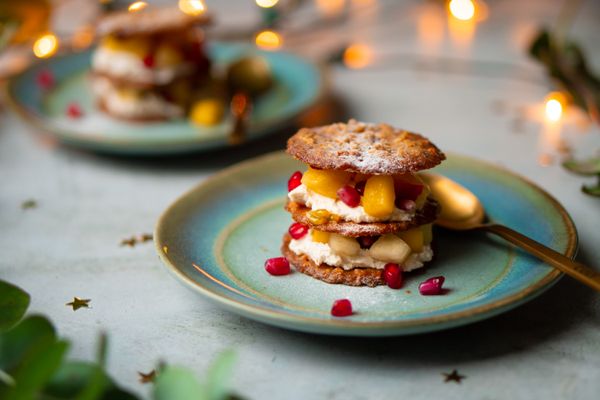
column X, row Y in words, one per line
column 33, row 364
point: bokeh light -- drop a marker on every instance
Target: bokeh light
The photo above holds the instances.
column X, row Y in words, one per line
column 463, row 10
column 554, row 104
column 269, row 40
column 137, row 6
column 266, row 3
column 358, row 56
column 192, row 7
column 45, row 46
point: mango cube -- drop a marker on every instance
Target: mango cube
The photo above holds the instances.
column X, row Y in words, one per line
column 379, row 197
column 167, row 56
column 324, row 182
column 207, row 112
column 414, row 238
column 320, row 236
column 136, row 45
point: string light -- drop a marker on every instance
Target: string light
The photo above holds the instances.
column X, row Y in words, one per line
column 555, row 102
column 192, row 7
column 266, row 3
column 357, row 56
column 45, row 46
column 269, row 40
column 463, row 10
column 137, row 6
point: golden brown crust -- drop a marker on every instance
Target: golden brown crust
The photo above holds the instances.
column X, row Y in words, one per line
column 424, row 216
column 148, row 21
column 364, row 148
column 354, row 277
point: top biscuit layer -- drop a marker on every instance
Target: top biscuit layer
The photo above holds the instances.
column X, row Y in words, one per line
column 148, row 21
column 364, row 148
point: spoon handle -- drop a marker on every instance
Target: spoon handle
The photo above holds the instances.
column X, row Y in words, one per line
column 574, row 269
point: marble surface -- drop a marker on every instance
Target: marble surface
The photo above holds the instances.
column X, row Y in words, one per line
column 69, row 244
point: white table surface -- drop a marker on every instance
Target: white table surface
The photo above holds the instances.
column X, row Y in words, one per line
column 69, row 245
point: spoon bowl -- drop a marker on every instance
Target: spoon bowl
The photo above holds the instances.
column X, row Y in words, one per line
column 461, row 210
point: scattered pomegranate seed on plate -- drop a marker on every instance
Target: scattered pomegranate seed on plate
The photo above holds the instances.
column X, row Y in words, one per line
column 298, row 230
column 432, row 286
column 45, row 79
column 349, row 196
column 341, row 308
column 277, row 266
column 294, row 181
column 73, row 110
column 392, row 274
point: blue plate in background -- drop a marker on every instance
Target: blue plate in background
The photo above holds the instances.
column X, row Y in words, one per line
column 298, row 85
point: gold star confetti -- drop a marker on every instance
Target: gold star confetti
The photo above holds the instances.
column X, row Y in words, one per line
column 133, row 240
column 145, row 237
column 147, row 378
column 129, row 242
column 78, row 303
column 453, row 376
column 28, row 204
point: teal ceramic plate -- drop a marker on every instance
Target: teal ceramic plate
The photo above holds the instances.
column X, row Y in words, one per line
column 216, row 238
column 298, row 85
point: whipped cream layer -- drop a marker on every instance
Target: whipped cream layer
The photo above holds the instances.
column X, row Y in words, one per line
column 147, row 105
column 124, row 65
column 322, row 253
column 315, row 201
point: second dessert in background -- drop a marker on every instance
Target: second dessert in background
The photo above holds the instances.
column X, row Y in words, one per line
column 147, row 63
column 363, row 215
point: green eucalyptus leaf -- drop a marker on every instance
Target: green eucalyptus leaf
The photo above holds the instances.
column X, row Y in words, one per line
column 588, row 167
column 16, row 343
column 13, row 304
column 219, row 374
column 177, row 383
column 83, row 380
column 592, row 190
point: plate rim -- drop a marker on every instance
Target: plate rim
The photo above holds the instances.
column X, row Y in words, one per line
column 96, row 142
column 355, row 328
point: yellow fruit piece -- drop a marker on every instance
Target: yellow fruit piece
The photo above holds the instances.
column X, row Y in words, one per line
column 420, row 201
column 379, row 196
column 414, row 238
column 138, row 46
column 390, row 248
column 129, row 94
column 343, row 245
column 318, row 217
column 207, row 112
column 167, row 56
column 325, row 182
column 320, row 236
column 427, row 233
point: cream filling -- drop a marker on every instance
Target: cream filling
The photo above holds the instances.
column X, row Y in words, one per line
column 322, row 253
column 144, row 105
column 124, row 65
column 315, row 201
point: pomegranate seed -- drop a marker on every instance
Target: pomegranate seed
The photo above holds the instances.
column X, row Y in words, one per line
column 45, row 79
column 74, row 111
column 392, row 274
column 432, row 286
column 298, row 230
column 148, row 61
column 294, row 181
column 349, row 196
column 277, row 266
column 367, row 241
column 407, row 190
column 341, row 308
column 406, row 204
column 360, row 187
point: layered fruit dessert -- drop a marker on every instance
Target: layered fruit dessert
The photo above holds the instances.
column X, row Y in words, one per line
column 362, row 214
column 148, row 62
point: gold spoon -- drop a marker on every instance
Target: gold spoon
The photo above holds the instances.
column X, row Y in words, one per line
column 462, row 210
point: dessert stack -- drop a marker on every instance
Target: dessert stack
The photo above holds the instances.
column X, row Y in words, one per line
column 362, row 214
column 147, row 63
